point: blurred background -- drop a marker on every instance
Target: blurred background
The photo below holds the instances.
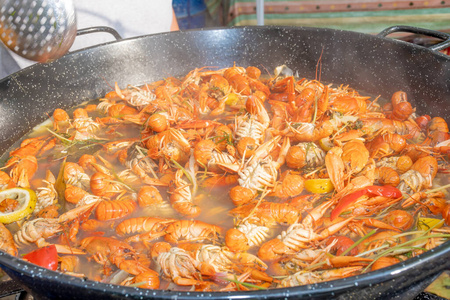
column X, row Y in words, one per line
column 368, row 16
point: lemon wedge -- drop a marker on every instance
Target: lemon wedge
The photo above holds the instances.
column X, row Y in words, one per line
column 319, row 186
column 326, row 144
column 26, row 199
column 427, row 223
column 232, row 99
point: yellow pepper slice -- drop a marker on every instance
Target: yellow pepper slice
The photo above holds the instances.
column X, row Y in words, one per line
column 26, row 199
column 427, row 223
column 319, row 186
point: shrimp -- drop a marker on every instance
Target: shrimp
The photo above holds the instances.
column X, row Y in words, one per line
column 149, row 196
column 7, row 241
column 355, row 156
column 296, row 237
column 402, row 109
column 305, row 155
column 120, row 254
column 185, row 230
column 207, row 154
column 148, row 228
column 46, row 196
column 179, row 266
column 245, row 236
column 74, row 175
column 335, row 167
column 386, row 145
column 36, row 231
column 69, row 263
column 309, row 132
column 104, row 185
column 305, row 277
column 111, row 210
column 267, row 213
column 59, row 116
column 147, row 280
column 387, row 176
column 420, row 176
column 39, row 229
column 33, row 147
column 181, row 197
column 23, row 170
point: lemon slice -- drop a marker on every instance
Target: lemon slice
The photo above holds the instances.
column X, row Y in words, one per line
column 427, row 223
column 27, row 201
column 319, row 186
column 232, row 99
column 326, row 144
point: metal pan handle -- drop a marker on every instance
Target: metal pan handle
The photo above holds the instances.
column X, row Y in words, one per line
column 96, row 29
column 105, row 29
column 437, row 34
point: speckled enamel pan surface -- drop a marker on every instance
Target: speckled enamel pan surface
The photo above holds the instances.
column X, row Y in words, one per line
column 373, row 65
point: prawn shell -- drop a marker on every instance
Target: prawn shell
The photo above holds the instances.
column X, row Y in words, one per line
column 387, row 176
column 253, row 72
column 203, row 151
column 291, row 186
column 222, row 137
column 355, row 155
column 404, row 163
column 384, row 262
column 148, row 196
column 446, row 214
column 246, row 146
column 86, row 161
column 400, row 219
column 114, row 209
column 236, row 240
column 73, row 194
column 241, row 195
column 158, row 122
column 296, row 157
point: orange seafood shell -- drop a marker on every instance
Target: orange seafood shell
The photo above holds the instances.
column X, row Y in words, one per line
column 404, row 163
column 236, row 240
column 251, row 105
column 446, row 214
column 296, row 157
column 253, row 72
column 247, row 146
column 241, row 195
column 99, row 184
column 148, row 196
column 355, row 154
column 158, row 122
column 223, row 135
column 203, row 151
column 86, row 161
column 384, row 262
column 400, row 219
column 73, row 194
column 291, row 186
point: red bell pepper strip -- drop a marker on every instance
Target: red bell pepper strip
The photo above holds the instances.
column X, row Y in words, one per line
column 373, row 190
column 46, row 257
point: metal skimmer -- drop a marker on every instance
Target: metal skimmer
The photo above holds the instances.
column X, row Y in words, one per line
column 39, row 30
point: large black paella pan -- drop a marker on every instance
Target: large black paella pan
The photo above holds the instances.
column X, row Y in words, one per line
column 376, row 65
